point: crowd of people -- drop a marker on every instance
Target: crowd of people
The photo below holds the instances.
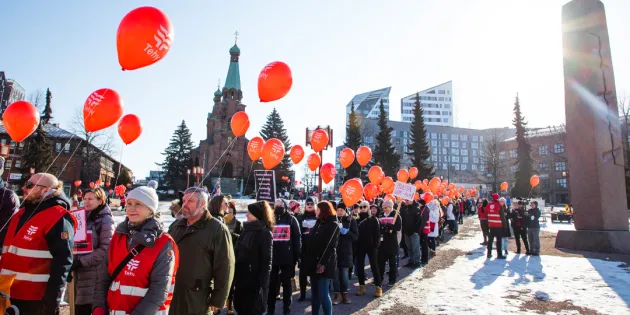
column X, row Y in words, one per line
column 208, row 260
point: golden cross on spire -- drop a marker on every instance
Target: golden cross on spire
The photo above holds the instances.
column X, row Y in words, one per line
column 218, row 84
column 236, row 37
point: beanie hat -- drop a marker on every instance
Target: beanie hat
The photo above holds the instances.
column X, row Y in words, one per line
column 152, row 184
column 309, row 199
column 293, row 204
column 284, row 201
column 257, row 209
column 495, row 196
column 147, row 196
column 341, row 205
column 388, row 203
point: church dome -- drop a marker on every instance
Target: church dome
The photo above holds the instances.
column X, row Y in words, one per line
column 218, row 92
column 235, row 50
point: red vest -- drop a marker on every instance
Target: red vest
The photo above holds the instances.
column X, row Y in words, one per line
column 26, row 254
column 427, row 227
column 481, row 212
column 131, row 285
column 494, row 218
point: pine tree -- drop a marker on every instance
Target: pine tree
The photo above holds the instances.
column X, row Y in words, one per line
column 524, row 160
column 274, row 128
column 385, row 154
column 47, row 115
column 353, row 141
column 39, row 152
column 177, row 158
column 418, row 146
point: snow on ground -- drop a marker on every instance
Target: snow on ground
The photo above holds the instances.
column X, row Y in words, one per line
column 475, row 285
column 554, row 227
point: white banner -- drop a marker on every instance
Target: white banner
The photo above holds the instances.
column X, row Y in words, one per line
column 404, row 191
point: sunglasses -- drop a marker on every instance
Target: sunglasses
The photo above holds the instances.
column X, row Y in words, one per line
column 309, row 204
column 30, row 185
column 363, row 207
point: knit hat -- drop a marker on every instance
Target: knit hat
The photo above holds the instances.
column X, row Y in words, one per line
column 257, row 209
column 495, row 196
column 388, row 203
column 44, row 179
column 284, row 201
column 309, row 199
column 341, row 205
column 293, row 204
column 147, row 196
column 152, row 184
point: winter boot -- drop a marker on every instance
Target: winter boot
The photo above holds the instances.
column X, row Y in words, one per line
column 361, row 290
column 345, row 299
column 337, row 298
column 379, row 292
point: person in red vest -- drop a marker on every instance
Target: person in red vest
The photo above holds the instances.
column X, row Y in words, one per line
column 483, row 219
column 37, row 248
column 138, row 275
column 495, row 225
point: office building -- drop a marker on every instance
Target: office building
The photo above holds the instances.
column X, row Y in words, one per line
column 11, row 92
column 437, row 103
column 367, row 105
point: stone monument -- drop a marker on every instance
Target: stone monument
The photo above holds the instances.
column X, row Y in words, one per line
column 593, row 136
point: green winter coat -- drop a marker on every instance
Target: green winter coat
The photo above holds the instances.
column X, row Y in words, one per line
column 206, row 265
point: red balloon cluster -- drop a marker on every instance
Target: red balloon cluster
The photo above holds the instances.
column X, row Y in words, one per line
column 120, row 190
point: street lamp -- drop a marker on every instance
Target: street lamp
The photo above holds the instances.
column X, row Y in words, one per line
column 187, row 178
column 197, row 172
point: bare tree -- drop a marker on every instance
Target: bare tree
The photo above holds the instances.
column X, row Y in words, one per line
column 623, row 104
column 37, row 98
column 495, row 164
column 94, row 146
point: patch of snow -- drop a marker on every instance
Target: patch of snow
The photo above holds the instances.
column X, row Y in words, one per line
column 476, row 285
column 554, row 227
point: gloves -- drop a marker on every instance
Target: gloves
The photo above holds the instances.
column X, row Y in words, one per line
column 99, row 311
column 344, row 231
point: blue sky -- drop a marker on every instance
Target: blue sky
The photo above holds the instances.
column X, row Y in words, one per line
column 336, row 49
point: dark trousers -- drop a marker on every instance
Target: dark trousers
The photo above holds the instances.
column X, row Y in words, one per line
column 484, row 229
column 372, row 255
column 424, row 248
column 432, row 243
column 403, row 245
column 282, row 275
column 303, row 282
column 85, row 309
column 384, row 257
column 521, row 233
column 495, row 233
column 32, row 307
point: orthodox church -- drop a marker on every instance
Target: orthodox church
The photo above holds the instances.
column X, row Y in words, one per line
column 222, row 154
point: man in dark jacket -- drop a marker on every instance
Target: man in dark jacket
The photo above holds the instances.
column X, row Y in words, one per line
column 307, row 221
column 44, row 201
column 9, row 204
column 533, row 228
column 391, row 224
column 424, row 238
column 410, row 215
column 519, row 225
column 349, row 233
column 206, row 254
column 287, row 249
column 367, row 245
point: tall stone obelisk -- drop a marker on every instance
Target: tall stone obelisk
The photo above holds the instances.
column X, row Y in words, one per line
column 593, row 137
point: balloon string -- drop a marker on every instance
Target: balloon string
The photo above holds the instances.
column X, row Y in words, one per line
column 217, row 162
column 251, row 167
column 122, row 149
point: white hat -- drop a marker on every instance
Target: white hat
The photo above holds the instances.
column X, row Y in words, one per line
column 147, row 196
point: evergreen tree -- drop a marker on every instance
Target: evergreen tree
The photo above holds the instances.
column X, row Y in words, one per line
column 39, row 152
column 124, row 177
column 353, row 141
column 385, row 154
column 177, row 158
column 418, row 146
column 274, row 128
column 47, row 115
column 524, row 160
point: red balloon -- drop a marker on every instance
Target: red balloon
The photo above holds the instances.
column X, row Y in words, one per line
column 145, row 36
column 297, row 154
column 413, row 172
column 254, row 148
column 111, row 191
column 272, row 153
column 240, row 123
column 20, row 120
column 91, row 184
column 370, row 191
column 351, row 191
column 313, row 161
column 319, row 140
column 346, row 157
column 274, row 81
column 102, row 109
column 77, row 183
column 376, row 175
column 129, row 128
column 403, row 175
column 364, row 155
column 328, row 172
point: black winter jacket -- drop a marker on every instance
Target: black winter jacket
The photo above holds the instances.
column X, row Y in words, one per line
column 389, row 231
column 9, row 204
column 369, row 232
column 532, row 218
column 287, row 247
column 324, row 237
column 253, row 254
column 307, row 221
column 410, row 215
column 344, row 247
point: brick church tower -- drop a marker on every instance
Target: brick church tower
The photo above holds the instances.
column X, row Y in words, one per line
column 231, row 167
